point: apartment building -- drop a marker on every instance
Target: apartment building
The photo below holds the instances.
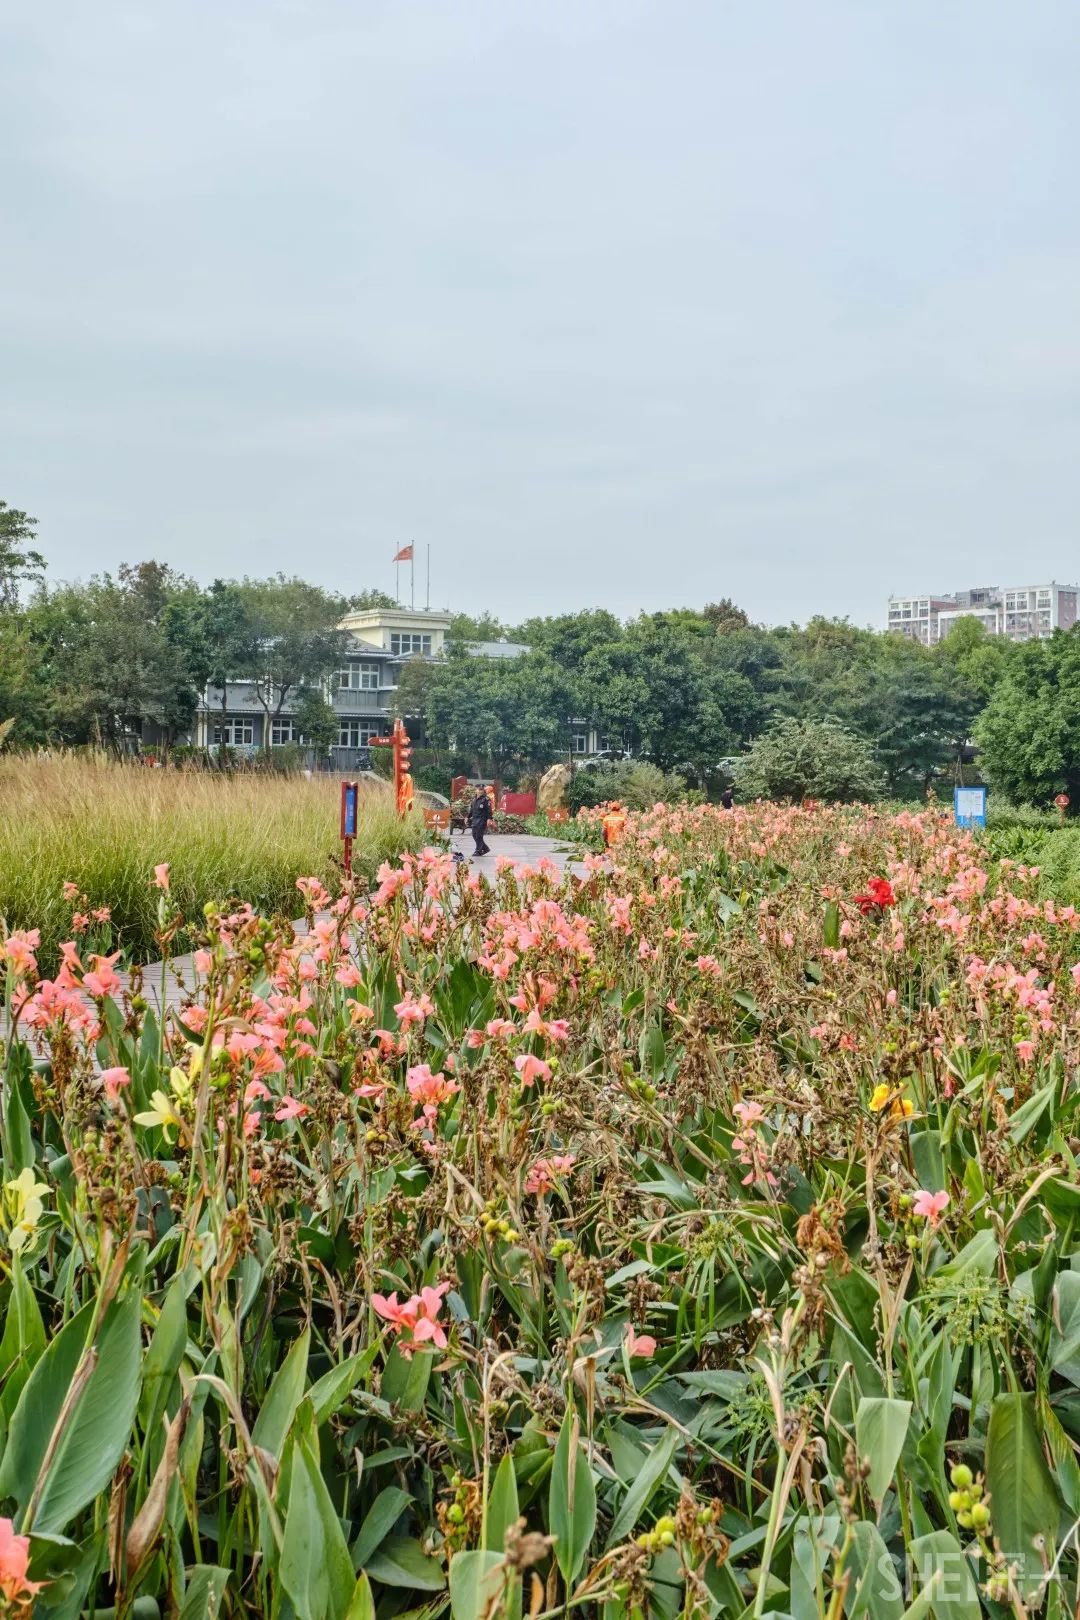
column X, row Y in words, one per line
column 1021, row 612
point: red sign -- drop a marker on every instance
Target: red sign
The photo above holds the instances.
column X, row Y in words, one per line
column 1062, row 801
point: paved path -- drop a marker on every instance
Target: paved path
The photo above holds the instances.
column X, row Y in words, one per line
column 180, row 976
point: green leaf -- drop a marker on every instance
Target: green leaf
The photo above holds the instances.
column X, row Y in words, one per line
column 1023, row 1500
column 284, row 1396
column 881, row 1427
column 877, row 1591
column 362, row 1606
column 302, row 1568
column 405, row 1378
column 502, row 1506
column 339, row 1565
column 380, row 1519
column 831, row 929
column 642, row 1487
column 955, row 1595
column 20, row 1146
column 401, row 1561
column 24, row 1337
column 1064, row 1351
column 96, row 1429
column 205, row 1590
column 328, row 1392
column 1028, row 1114
column 980, row 1256
column 163, row 1358
column 477, row 1581
column 571, row 1500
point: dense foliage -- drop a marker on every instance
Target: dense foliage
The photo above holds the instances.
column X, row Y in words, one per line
column 687, row 690
column 698, row 1239
column 810, row 759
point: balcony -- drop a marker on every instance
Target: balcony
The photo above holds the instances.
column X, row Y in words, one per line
column 347, row 700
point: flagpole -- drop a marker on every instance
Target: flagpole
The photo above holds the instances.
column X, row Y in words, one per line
column 428, row 602
column 412, row 577
column 397, row 582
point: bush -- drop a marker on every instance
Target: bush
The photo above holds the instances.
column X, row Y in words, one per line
column 577, row 831
column 810, row 759
column 636, row 783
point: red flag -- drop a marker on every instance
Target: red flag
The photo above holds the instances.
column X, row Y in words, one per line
column 404, row 555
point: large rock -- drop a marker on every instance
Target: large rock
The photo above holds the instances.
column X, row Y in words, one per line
column 551, row 794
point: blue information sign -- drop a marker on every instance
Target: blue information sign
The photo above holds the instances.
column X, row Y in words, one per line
column 969, row 805
column 349, row 795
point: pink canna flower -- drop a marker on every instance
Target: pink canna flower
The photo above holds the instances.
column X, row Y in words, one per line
column 413, row 1009
column 530, row 1069
column 639, row 1344
column 414, row 1320
column 542, row 1177
column 14, row 1562
column 161, row 876
column 291, row 1109
column 70, row 890
column 103, row 979
column 113, row 1080
column 18, row 951
column 930, row 1206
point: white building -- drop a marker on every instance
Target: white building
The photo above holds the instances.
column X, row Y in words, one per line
column 1020, row 612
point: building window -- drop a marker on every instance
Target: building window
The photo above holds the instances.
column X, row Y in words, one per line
column 235, row 733
column 282, row 732
column 359, row 678
column 358, row 733
column 407, row 645
column 579, row 742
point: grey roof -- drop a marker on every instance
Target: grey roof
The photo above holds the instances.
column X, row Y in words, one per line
column 497, row 649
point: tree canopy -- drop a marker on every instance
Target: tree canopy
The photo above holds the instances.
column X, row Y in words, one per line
column 688, row 689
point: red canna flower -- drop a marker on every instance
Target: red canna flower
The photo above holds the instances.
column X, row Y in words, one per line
column 879, row 895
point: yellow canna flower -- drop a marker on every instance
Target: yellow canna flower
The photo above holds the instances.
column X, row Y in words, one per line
column 180, row 1081
column 24, row 1205
column 161, row 1112
column 899, row 1108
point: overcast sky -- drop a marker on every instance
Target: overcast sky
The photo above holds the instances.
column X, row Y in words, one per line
column 621, row 303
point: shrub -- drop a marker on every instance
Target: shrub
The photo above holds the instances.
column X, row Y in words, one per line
column 809, row 759
column 636, row 783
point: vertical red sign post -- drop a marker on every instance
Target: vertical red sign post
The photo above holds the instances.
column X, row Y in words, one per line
column 404, row 791
column 350, row 795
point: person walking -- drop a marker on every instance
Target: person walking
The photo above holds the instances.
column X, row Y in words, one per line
column 479, row 816
column 727, row 799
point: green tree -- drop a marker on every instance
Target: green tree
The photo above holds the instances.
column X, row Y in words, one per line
column 809, row 759
column 316, row 722
column 725, row 617
column 229, row 636
column 979, row 659
column 477, row 627
column 116, row 653
column 1029, row 733
column 19, row 561
column 298, row 642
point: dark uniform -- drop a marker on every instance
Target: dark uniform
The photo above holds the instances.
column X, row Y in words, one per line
column 479, row 816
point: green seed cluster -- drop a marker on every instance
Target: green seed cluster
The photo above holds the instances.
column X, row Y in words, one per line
column 966, row 1501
